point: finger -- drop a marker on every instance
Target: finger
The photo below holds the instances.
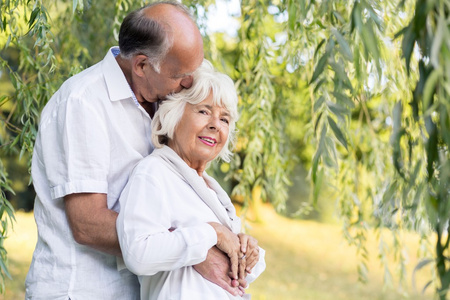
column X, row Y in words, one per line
column 234, row 283
column 242, row 290
column 234, row 265
column 252, row 244
column 227, row 286
column 250, row 265
column 243, row 283
column 242, row 265
column 243, row 239
column 252, row 260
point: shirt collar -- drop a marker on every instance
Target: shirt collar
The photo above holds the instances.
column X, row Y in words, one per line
column 118, row 87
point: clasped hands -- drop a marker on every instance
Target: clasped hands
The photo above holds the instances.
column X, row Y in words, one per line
column 243, row 253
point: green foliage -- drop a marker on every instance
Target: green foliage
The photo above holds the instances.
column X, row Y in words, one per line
column 263, row 150
column 6, row 219
column 429, row 116
column 348, row 131
column 410, row 189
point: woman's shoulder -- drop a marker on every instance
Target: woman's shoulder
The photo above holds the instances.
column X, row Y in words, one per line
column 151, row 165
column 149, row 161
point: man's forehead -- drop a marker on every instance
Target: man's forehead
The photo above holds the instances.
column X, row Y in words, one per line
column 174, row 70
column 180, row 66
column 183, row 75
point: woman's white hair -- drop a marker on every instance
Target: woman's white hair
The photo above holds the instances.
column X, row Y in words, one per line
column 206, row 80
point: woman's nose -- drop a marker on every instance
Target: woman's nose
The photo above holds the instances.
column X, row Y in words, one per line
column 215, row 124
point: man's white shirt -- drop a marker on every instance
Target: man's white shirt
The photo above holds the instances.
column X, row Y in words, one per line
column 91, row 135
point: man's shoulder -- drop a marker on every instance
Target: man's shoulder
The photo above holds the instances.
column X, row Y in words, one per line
column 76, row 94
column 85, row 79
column 81, row 88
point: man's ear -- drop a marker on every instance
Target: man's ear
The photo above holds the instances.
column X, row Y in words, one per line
column 139, row 63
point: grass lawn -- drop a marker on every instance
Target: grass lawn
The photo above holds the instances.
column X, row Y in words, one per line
column 305, row 260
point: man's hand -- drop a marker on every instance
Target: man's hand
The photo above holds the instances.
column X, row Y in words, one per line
column 229, row 243
column 216, row 268
column 91, row 222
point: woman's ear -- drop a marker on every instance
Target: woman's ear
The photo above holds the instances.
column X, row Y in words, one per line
column 139, row 63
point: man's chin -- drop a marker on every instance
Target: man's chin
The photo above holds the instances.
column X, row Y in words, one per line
column 152, row 100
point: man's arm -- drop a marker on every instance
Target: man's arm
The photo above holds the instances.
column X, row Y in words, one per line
column 92, row 223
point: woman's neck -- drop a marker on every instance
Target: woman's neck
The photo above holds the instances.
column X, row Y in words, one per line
column 198, row 166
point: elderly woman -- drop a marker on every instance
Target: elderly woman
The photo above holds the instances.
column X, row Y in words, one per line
column 172, row 212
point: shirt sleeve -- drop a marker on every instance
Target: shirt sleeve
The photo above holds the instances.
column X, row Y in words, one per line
column 143, row 230
column 258, row 268
column 76, row 151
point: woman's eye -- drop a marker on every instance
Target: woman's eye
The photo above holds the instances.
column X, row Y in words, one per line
column 225, row 121
column 204, row 112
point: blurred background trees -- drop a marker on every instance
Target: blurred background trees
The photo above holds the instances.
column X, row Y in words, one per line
column 348, row 100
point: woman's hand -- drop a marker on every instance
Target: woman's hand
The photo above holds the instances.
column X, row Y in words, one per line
column 250, row 249
column 229, row 243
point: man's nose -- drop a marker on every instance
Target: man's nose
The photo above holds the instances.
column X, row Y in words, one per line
column 187, row 82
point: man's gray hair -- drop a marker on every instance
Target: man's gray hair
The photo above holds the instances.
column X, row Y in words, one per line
column 206, row 80
column 140, row 34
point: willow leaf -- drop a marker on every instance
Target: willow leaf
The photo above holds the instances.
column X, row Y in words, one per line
column 430, row 89
column 337, row 132
column 320, row 67
column 344, row 48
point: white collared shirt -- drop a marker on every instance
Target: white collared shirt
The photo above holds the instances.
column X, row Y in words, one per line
column 154, row 200
column 91, row 134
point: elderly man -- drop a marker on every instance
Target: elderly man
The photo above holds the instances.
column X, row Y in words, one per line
column 92, row 132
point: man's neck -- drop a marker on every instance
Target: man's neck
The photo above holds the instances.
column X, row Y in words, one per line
column 124, row 65
column 149, row 107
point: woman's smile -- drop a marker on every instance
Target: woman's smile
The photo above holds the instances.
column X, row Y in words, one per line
column 208, row 140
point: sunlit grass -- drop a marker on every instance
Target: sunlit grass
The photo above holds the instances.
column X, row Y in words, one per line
column 305, row 260
column 311, row 260
column 20, row 245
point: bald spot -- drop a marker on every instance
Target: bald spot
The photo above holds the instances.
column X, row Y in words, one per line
column 186, row 36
